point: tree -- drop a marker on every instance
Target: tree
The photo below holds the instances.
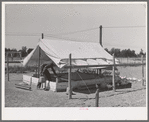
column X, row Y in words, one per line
column 133, row 53
column 112, row 51
column 106, row 49
column 141, row 52
column 14, row 50
column 117, row 52
column 7, row 49
column 23, row 52
column 29, row 50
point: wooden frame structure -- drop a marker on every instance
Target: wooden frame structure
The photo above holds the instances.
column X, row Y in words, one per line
column 113, row 65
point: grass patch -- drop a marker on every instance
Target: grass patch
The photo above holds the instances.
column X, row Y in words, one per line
column 19, row 69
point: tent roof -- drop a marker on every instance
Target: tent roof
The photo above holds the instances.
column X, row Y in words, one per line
column 58, row 51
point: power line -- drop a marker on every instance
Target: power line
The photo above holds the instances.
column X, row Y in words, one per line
column 75, row 31
column 54, row 36
column 98, row 28
column 125, row 27
column 20, row 35
column 90, row 29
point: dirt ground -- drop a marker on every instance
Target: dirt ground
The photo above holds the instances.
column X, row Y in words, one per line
column 14, row 97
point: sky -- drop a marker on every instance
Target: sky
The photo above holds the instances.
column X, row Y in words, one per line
column 124, row 25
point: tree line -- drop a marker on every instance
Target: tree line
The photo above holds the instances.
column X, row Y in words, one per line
column 118, row 53
column 24, row 52
column 125, row 52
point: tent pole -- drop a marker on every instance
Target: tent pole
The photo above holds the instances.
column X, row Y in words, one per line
column 42, row 36
column 69, row 79
column 100, row 41
column 39, row 64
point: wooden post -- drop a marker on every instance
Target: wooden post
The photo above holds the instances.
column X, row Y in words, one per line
column 42, row 36
column 7, row 66
column 100, row 35
column 39, row 64
column 100, row 72
column 22, row 63
column 113, row 80
column 97, row 96
column 57, row 83
column 11, row 56
column 69, row 79
column 20, row 55
column 36, row 70
column 142, row 71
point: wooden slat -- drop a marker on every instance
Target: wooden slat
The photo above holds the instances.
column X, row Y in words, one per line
column 129, row 64
column 13, row 61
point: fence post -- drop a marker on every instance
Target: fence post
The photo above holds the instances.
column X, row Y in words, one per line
column 22, row 63
column 11, row 56
column 113, row 80
column 57, row 83
column 69, row 79
column 127, row 59
column 99, row 71
column 97, row 96
column 7, row 66
column 142, row 71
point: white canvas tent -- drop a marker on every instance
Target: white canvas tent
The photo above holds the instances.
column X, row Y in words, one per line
column 83, row 53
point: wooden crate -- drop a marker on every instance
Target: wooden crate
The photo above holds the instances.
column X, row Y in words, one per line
column 35, row 80
column 27, row 79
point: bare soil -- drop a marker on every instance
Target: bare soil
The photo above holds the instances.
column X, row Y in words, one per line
column 128, row 97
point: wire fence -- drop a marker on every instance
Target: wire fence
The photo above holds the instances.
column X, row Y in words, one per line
column 131, row 60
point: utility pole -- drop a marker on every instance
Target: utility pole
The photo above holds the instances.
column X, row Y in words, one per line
column 100, row 38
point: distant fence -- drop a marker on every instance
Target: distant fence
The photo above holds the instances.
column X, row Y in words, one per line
column 131, row 60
